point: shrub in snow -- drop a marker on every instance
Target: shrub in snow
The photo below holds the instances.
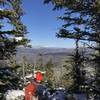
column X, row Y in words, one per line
column 14, row 95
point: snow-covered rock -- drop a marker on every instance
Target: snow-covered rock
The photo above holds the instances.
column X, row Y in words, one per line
column 14, row 95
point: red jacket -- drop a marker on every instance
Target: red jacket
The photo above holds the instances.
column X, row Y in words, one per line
column 30, row 91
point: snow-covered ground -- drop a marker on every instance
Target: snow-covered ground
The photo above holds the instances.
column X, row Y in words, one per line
column 19, row 95
column 80, row 96
column 14, row 95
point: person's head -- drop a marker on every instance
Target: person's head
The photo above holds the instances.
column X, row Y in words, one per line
column 39, row 77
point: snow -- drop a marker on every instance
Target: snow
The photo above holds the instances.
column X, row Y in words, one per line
column 28, row 76
column 19, row 95
column 18, row 38
column 1, row 9
column 80, row 96
column 14, row 94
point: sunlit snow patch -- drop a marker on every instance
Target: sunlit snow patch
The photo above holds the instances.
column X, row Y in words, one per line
column 14, row 95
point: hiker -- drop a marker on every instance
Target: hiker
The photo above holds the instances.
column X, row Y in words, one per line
column 31, row 88
column 40, row 88
column 30, row 91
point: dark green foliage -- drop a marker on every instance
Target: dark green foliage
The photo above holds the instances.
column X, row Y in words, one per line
column 11, row 13
column 11, row 28
column 82, row 21
column 78, row 67
column 39, row 62
column 75, row 72
column 8, row 79
column 49, row 73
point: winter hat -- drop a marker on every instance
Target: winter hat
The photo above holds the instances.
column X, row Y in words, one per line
column 39, row 76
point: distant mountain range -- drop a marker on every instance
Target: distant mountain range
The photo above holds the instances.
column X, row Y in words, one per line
column 31, row 55
column 44, row 50
column 57, row 55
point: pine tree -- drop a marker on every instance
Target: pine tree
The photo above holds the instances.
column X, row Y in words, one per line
column 39, row 62
column 10, row 13
column 82, row 21
column 10, row 37
column 50, row 73
column 78, row 66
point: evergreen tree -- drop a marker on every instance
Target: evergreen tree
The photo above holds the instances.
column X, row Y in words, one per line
column 39, row 62
column 75, row 69
column 10, row 37
column 78, row 66
column 10, row 13
column 82, row 21
column 67, row 79
column 50, row 73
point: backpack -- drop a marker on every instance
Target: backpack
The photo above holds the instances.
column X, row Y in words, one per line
column 40, row 92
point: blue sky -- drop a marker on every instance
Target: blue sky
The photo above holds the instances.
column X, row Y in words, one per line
column 42, row 25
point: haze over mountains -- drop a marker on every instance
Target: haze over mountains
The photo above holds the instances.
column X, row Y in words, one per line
column 47, row 53
column 58, row 56
column 44, row 50
column 32, row 55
